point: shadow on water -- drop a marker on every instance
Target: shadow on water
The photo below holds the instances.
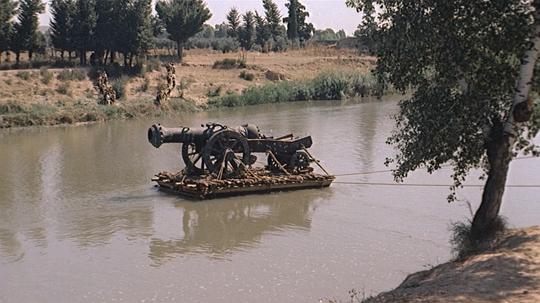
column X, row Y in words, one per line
column 219, row 228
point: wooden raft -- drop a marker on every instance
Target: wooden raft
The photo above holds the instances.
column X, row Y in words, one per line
column 259, row 181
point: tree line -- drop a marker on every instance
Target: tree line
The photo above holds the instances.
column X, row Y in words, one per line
column 102, row 31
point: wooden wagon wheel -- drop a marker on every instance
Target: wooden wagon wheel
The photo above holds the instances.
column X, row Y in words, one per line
column 299, row 161
column 222, row 151
column 192, row 158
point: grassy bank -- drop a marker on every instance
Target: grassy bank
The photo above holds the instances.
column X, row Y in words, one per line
column 15, row 114
column 326, row 86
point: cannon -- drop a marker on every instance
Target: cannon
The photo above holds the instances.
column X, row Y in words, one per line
column 225, row 151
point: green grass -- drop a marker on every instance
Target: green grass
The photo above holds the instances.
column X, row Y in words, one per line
column 326, row 86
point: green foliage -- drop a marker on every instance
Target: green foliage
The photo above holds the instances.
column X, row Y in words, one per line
column 23, row 75
column 327, row 86
column 25, row 35
column 262, row 32
column 84, row 23
column 229, row 63
column 247, row 76
column 8, row 8
column 183, row 19
column 233, row 23
column 328, row 35
column 62, row 13
column 462, row 59
column 273, row 18
column 46, row 75
column 247, row 31
column 297, row 26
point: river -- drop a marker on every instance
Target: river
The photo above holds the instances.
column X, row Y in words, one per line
column 80, row 220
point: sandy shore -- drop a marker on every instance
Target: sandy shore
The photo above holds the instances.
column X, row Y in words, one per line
column 509, row 272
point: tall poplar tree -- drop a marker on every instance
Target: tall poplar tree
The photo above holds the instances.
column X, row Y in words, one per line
column 25, row 33
column 273, row 18
column 8, row 9
column 182, row 19
column 233, row 22
column 247, row 31
column 62, row 12
column 84, row 27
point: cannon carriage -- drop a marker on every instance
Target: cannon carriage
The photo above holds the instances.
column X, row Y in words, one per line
column 226, row 152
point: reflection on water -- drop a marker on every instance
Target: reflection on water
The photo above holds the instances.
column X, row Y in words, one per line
column 221, row 228
column 81, row 222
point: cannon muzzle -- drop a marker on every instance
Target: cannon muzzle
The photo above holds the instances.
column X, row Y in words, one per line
column 158, row 135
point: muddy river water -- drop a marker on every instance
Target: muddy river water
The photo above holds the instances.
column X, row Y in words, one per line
column 80, row 220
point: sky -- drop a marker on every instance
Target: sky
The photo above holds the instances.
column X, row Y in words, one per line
column 323, row 13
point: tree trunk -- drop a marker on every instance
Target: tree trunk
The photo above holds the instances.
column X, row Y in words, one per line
column 1, row 56
column 180, row 49
column 30, row 55
column 499, row 152
column 113, row 57
column 62, row 55
column 17, row 57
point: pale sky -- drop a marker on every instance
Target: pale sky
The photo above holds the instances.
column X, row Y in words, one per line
column 323, row 13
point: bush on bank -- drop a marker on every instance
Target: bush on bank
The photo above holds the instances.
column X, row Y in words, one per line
column 326, row 86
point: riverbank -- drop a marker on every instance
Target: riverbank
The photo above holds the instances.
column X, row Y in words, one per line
column 67, row 96
column 508, row 272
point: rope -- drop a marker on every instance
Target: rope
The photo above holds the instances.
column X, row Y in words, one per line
column 431, row 185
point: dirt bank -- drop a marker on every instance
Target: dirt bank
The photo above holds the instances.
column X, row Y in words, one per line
column 509, row 272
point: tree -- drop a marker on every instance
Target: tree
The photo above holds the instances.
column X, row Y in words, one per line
column 262, row 34
column 233, row 22
column 109, row 30
column 8, row 8
column 247, row 31
column 463, row 60
column 292, row 20
column 25, row 34
column 297, row 26
column 273, row 18
column 62, row 12
column 182, row 19
column 84, row 27
column 141, row 33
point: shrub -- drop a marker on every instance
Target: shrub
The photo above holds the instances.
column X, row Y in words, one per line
column 330, row 86
column 64, row 89
column 23, row 75
column 145, row 85
column 214, row 92
column 229, row 63
column 46, row 75
column 464, row 245
column 119, row 86
column 71, row 75
column 247, row 76
column 225, row 45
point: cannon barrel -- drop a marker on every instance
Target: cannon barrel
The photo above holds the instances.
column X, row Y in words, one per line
column 158, row 135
